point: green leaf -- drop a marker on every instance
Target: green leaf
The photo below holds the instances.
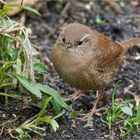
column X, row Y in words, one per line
column 40, row 67
column 130, row 105
column 99, row 21
column 59, row 114
column 30, row 9
column 4, row 10
column 43, row 109
column 54, row 124
column 113, row 94
column 47, row 119
column 122, row 4
column 127, row 110
column 51, row 121
column 19, row 130
column 26, row 43
column 138, row 113
column 57, row 107
column 7, row 23
column 74, row 114
column 89, row 122
column 56, row 96
column 30, row 86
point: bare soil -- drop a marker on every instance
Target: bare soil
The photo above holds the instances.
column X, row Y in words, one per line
column 118, row 26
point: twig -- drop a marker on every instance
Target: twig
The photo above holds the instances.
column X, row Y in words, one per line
column 126, row 90
column 2, row 130
column 10, row 95
column 129, row 87
column 68, row 5
column 114, row 6
column 66, row 8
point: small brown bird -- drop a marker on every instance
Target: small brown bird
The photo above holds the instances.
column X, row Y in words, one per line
column 87, row 59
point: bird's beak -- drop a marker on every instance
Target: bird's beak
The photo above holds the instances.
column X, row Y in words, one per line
column 67, row 46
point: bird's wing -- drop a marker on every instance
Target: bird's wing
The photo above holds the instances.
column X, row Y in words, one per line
column 111, row 56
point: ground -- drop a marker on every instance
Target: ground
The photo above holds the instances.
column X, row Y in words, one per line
column 118, row 25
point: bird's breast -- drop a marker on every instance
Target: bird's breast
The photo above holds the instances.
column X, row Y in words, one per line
column 81, row 73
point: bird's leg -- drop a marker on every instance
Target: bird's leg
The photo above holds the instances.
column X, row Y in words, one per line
column 94, row 110
column 76, row 95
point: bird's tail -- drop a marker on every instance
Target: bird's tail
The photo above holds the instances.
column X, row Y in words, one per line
column 130, row 43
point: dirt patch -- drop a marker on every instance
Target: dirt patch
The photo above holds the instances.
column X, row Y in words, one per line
column 118, row 26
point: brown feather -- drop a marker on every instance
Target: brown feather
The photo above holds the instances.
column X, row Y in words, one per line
column 130, row 43
column 92, row 65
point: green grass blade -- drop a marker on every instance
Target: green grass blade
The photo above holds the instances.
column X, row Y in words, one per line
column 43, row 110
column 138, row 113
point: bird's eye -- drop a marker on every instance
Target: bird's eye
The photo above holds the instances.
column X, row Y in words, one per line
column 63, row 39
column 80, row 42
column 84, row 39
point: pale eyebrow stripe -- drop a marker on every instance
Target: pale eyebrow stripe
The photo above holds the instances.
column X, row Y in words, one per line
column 85, row 36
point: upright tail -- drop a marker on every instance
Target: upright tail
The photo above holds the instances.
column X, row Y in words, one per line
column 130, row 43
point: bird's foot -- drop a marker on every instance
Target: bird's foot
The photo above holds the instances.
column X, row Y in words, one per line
column 96, row 112
column 75, row 96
